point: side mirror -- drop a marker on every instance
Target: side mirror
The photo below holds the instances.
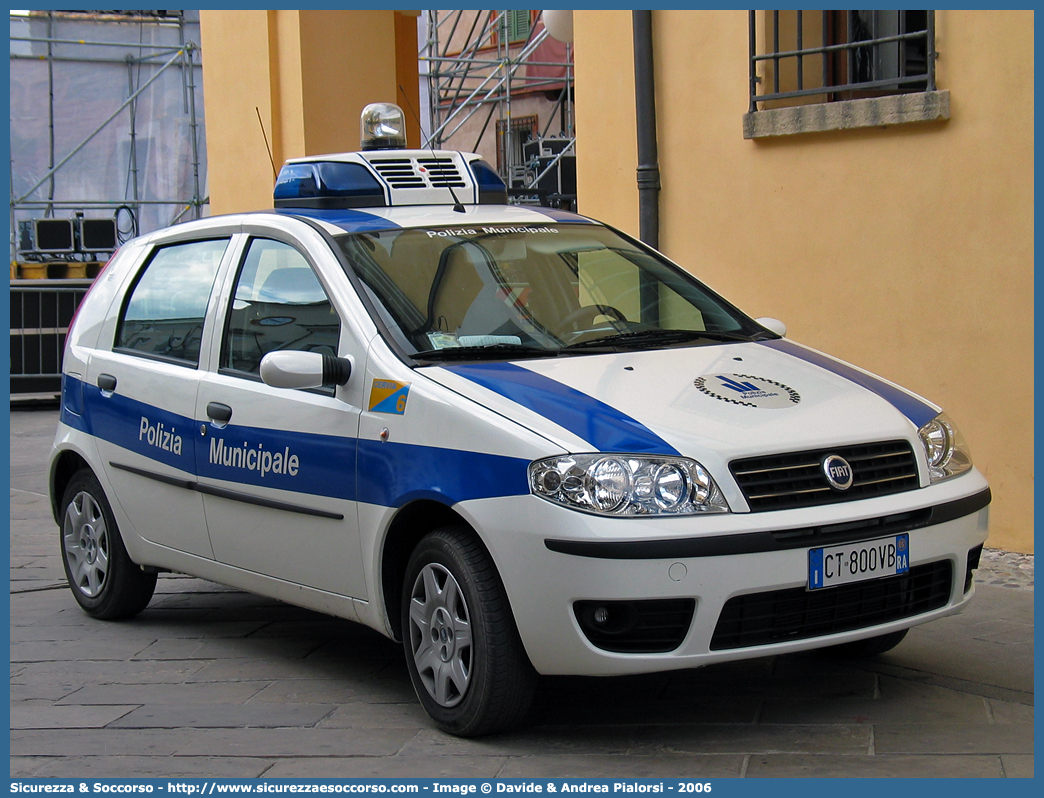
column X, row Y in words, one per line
column 289, row 369
column 773, row 325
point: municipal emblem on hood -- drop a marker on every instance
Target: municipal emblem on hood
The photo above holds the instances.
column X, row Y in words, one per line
column 838, row 472
column 748, row 390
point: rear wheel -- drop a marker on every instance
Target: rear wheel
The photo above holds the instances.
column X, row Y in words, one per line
column 463, row 651
column 102, row 577
column 864, row 649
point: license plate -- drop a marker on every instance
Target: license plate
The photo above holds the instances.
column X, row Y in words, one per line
column 855, row 562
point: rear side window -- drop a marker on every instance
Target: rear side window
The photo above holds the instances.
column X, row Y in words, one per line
column 278, row 304
column 164, row 315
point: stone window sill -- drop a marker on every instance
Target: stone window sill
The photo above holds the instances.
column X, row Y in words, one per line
column 899, row 109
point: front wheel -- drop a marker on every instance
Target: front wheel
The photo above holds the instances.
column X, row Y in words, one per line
column 463, row 651
column 102, row 577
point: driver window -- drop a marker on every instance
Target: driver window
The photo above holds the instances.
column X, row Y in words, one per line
column 278, row 304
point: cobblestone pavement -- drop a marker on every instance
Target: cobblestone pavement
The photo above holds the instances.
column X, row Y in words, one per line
column 1005, row 569
column 213, row 682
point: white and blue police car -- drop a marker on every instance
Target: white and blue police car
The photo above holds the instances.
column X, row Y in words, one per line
column 513, row 438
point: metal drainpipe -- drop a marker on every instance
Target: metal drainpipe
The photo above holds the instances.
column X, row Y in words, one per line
column 645, row 108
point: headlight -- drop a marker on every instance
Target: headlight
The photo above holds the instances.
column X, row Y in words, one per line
column 947, row 453
column 620, row 484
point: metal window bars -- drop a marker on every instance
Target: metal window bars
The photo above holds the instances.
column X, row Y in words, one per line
column 876, row 52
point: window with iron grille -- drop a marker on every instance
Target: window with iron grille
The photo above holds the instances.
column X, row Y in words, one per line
column 802, row 58
column 512, row 134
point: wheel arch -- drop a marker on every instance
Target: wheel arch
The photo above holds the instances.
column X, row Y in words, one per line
column 63, row 468
column 410, row 524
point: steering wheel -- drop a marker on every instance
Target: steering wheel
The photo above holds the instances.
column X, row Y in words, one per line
column 583, row 318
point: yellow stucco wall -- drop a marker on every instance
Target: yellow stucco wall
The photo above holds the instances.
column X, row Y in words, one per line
column 309, row 74
column 906, row 250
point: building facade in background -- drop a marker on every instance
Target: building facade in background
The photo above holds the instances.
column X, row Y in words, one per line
column 879, row 201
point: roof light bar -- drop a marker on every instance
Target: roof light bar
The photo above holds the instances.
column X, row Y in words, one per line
column 383, row 127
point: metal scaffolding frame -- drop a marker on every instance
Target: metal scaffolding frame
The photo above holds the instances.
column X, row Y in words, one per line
column 184, row 58
column 483, row 76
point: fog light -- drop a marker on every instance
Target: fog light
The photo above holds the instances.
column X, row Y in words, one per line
column 601, row 616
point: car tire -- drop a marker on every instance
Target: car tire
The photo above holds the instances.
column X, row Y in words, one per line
column 465, row 657
column 104, row 580
column 864, row 649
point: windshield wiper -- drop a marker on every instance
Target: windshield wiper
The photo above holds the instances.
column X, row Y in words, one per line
column 498, row 351
column 643, row 337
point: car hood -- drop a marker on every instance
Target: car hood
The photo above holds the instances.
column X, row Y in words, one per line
column 714, row 403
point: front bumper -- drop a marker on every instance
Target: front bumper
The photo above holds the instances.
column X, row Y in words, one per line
column 552, row 557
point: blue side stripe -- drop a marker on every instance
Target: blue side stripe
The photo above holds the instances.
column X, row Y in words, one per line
column 604, row 427
column 388, row 474
column 393, row 474
column 349, row 220
column 910, row 406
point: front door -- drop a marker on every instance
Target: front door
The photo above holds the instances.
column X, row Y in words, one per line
column 277, row 466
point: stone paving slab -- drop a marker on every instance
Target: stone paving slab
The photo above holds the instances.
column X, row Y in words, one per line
column 756, row 738
column 784, row 766
column 947, row 738
column 55, row 743
column 35, row 716
column 213, row 682
column 898, row 701
column 299, row 742
column 165, row 694
column 220, row 716
column 141, row 767
column 696, row 766
column 388, row 767
column 1017, row 766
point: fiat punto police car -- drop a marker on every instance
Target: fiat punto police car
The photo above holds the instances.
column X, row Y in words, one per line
column 513, row 438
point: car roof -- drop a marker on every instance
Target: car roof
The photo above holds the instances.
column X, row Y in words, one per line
column 357, row 220
column 360, row 220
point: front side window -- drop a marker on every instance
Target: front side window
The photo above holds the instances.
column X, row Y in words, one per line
column 538, row 289
column 278, row 304
column 167, row 308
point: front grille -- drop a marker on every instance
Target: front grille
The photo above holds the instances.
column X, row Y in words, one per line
column 419, row 173
column 782, row 481
column 779, row 616
column 647, row 626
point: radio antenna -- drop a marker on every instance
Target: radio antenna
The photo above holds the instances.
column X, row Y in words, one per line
column 457, row 205
column 271, row 160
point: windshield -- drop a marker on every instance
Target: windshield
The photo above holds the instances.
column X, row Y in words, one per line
column 498, row 291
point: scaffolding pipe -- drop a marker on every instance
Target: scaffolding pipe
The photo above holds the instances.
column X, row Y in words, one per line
column 514, row 65
column 50, row 112
column 153, row 55
column 87, row 140
column 37, row 40
column 133, row 134
column 486, row 31
column 461, row 86
column 72, row 59
column 188, row 49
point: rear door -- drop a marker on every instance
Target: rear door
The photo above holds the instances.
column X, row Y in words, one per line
column 140, row 393
column 277, row 466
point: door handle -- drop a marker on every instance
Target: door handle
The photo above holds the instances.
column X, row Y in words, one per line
column 219, row 412
column 107, row 382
